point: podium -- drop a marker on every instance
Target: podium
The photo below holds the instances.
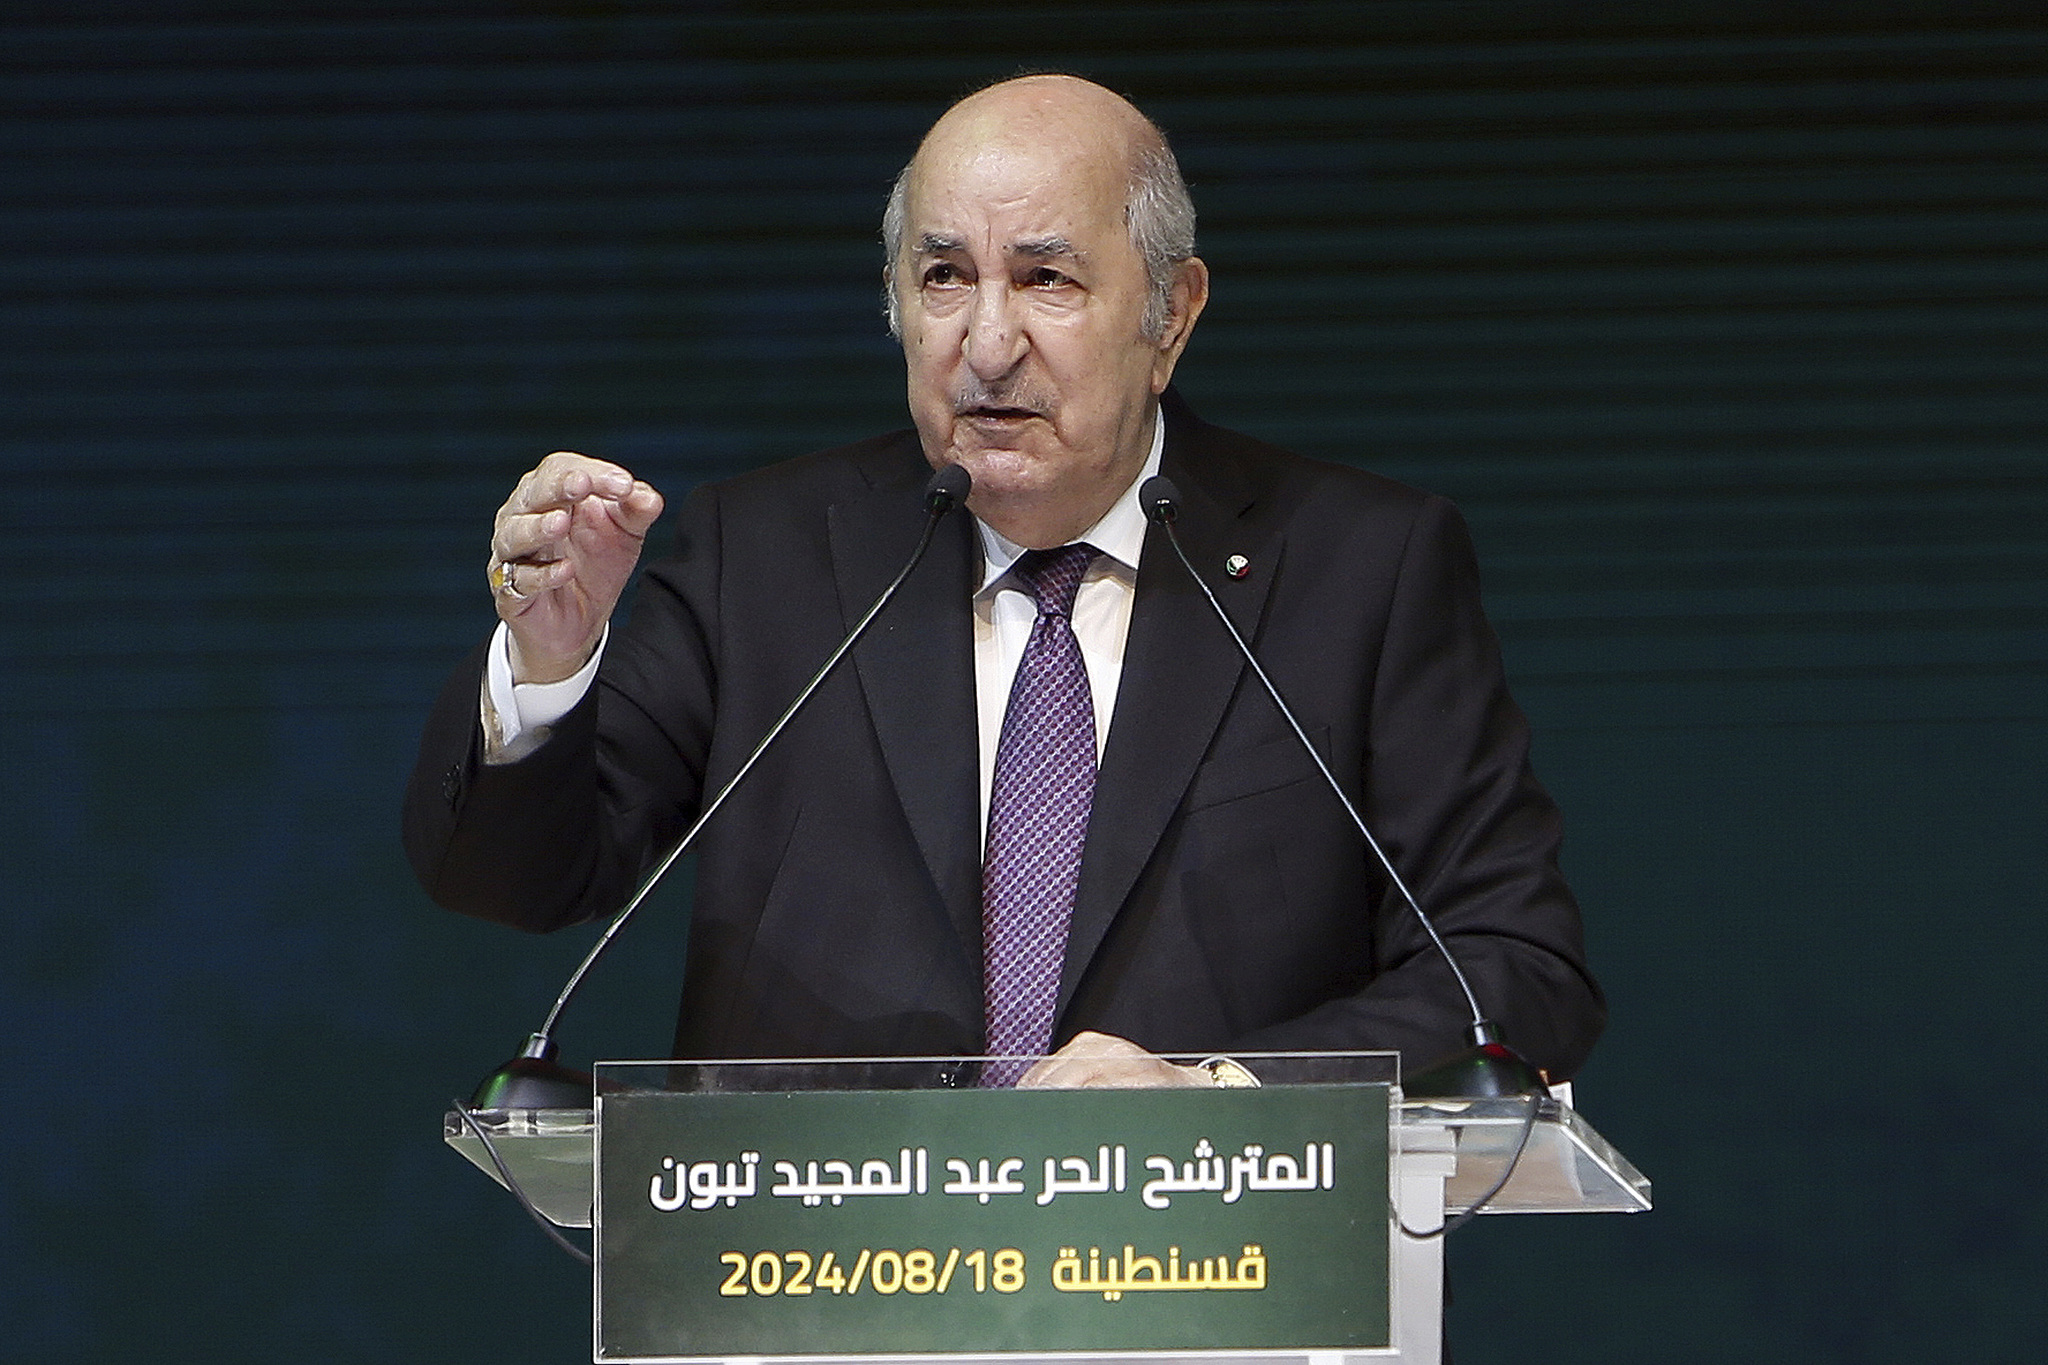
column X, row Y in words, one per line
column 864, row 1208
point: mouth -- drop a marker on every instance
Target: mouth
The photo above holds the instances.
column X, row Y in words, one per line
column 993, row 412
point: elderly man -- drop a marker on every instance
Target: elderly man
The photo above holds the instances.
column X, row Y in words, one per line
column 1047, row 807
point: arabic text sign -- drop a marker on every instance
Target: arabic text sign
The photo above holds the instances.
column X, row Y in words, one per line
column 936, row 1221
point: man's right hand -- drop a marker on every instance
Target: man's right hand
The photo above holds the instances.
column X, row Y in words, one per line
column 562, row 548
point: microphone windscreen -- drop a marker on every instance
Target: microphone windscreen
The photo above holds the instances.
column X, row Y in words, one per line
column 1159, row 499
column 947, row 489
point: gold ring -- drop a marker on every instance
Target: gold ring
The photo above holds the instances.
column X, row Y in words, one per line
column 501, row 582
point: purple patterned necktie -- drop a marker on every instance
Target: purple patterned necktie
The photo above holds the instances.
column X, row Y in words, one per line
column 1037, row 817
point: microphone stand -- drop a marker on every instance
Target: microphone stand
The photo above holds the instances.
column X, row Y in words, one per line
column 534, row 1079
column 1487, row 1067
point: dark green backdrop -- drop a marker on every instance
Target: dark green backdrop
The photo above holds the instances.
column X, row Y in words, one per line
column 1724, row 321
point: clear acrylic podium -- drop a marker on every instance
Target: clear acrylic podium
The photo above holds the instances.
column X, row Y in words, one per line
column 1439, row 1157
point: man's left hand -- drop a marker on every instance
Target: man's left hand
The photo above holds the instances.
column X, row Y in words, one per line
column 1105, row 1061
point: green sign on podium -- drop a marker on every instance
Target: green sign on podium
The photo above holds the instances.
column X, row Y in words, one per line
column 837, row 1223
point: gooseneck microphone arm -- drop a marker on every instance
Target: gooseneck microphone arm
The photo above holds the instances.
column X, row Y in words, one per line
column 533, row 1075
column 1489, row 1067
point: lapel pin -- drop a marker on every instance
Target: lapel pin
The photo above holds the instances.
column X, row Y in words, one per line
column 1237, row 566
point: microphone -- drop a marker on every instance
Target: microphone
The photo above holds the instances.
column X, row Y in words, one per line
column 534, row 1079
column 1488, row 1066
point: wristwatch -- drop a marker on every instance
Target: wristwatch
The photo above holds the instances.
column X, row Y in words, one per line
column 1228, row 1074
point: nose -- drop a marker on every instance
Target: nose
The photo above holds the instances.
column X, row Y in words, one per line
column 995, row 339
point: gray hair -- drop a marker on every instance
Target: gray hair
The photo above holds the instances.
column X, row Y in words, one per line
column 1158, row 211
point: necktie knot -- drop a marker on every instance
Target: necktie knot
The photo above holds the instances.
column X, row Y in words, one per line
column 1053, row 577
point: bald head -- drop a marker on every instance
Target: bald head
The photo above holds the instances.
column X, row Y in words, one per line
column 1060, row 110
column 1103, row 135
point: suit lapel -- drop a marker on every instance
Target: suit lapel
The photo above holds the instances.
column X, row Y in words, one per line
column 916, row 672
column 1179, row 673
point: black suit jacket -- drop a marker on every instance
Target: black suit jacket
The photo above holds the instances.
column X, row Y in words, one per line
column 1225, row 901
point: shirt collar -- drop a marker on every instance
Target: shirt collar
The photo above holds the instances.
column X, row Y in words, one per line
column 1120, row 534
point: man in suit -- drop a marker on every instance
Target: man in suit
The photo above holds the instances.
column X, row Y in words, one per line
column 908, row 872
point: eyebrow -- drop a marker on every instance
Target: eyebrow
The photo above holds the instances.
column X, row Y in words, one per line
column 1041, row 247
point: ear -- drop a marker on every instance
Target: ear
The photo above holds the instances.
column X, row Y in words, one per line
column 1189, row 295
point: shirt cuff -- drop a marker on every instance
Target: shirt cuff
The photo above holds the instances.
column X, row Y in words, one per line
column 516, row 716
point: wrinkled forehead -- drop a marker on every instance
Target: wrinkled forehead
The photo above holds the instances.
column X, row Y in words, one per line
column 1012, row 186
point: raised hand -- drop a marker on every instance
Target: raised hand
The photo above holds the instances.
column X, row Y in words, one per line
column 562, row 548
